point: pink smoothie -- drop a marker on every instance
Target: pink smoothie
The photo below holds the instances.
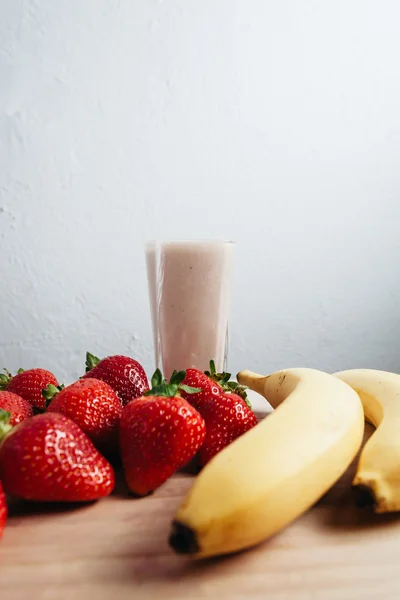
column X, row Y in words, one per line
column 190, row 290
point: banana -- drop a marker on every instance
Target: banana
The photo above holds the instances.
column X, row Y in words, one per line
column 378, row 469
column 273, row 473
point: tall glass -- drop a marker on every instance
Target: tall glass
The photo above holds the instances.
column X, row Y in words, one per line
column 190, row 292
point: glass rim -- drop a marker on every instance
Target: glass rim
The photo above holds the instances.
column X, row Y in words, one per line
column 185, row 241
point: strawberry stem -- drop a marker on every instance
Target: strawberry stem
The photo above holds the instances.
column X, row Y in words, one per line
column 91, row 361
column 212, row 369
column 5, row 426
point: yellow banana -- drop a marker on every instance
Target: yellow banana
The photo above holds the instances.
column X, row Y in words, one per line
column 378, row 469
column 273, row 473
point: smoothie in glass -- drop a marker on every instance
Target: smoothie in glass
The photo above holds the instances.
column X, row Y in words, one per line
column 190, row 291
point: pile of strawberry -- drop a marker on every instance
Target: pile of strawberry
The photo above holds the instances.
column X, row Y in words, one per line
column 58, row 444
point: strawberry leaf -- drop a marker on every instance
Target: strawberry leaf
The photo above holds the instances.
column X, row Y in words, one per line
column 4, row 416
column 20, row 371
column 223, row 378
column 91, row 361
column 157, row 378
column 5, row 426
column 177, row 377
column 50, row 391
column 172, row 389
column 5, row 379
column 240, row 390
column 189, row 389
column 161, row 387
column 157, row 390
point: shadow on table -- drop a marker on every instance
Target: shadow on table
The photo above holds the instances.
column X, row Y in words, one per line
column 24, row 508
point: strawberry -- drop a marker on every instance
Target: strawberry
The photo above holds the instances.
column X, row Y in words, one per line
column 94, row 406
column 29, row 385
column 49, row 458
column 198, row 379
column 211, row 383
column 125, row 375
column 159, row 433
column 227, row 417
column 3, row 510
column 18, row 408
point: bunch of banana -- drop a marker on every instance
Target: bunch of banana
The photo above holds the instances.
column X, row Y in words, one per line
column 378, row 469
column 273, row 473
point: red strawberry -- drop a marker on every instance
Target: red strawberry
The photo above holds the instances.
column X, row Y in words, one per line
column 125, row 375
column 227, row 417
column 95, row 407
column 3, row 510
column 198, row 379
column 49, row 458
column 18, row 408
column 159, row 433
column 212, row 384
column 29, row 385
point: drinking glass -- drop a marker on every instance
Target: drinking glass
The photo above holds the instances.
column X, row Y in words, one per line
column 190, row 293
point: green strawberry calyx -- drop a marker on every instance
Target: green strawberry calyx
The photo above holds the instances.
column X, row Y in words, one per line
column 223, row 379
column 171, row 388
column 6, row 378
column 5, row 426
column 51, row 391
column 91, row 361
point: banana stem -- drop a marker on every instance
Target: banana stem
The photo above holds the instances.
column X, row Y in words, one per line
column 254, row 381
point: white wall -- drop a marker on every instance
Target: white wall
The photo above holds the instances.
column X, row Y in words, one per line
column 273, row 123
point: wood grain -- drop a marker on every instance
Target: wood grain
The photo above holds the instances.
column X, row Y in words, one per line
column 117, row 548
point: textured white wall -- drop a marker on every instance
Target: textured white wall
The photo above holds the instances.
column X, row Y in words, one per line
column 273, row 123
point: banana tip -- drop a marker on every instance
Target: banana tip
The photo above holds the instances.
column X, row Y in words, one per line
column 183, row 539
column 244, row 375
column 364, row 496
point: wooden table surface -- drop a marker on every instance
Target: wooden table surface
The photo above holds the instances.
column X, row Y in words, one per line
column 117, row 548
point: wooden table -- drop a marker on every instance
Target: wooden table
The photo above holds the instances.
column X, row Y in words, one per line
column 117, row 549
